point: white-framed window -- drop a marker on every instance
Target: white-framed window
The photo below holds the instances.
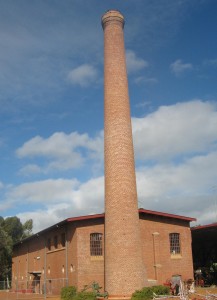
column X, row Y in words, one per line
column 175, row 243
column 96, row 244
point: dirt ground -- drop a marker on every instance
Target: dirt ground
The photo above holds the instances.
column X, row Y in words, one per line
column 199, row 294
column 14, row 296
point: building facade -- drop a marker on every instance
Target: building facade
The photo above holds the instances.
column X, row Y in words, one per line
column 204, row 248
column 72, row 252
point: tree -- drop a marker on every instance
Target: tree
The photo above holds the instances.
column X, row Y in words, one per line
column 1, row 220
column 14, row 228
column 5, row 254
column 27, row 228
column 11, row 232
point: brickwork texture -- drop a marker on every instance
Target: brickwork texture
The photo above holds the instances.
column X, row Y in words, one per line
column 80, row 268
column 136, row 250
column 124, row 266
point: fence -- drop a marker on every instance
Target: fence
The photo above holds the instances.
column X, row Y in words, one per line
column 32, row 289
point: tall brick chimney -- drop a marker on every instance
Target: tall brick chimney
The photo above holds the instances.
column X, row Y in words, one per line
column 124, row 267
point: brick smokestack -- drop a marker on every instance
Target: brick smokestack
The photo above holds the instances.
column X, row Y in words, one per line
column 124, row 267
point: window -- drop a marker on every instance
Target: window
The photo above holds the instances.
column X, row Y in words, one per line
column 55, row 242
column 63, row 239
column 49, row 244
column 72, row 268
column 175, row 243
column 96, row 244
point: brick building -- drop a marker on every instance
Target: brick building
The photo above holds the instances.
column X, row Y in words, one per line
column 72, row 252
column 204, row 248
column 140, row 249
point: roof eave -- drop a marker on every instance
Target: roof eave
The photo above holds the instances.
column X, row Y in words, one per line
column 163, row 214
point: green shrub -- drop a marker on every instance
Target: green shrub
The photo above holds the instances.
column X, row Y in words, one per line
column 146, row 293
column 68, row 292
column 161, row 290
column 85, row 296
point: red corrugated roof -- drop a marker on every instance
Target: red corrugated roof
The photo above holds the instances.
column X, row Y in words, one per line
column 163, row 214
column 141, row 211
column 98, row 216
column 213, row 225
column 88, row 217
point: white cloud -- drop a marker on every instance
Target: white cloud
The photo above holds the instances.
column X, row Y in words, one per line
column 179, row 140
column 178, row 67
column 83, row 75
column 171, row 131
column 192, row 177
column 30, row 169
column 58, row 144
column 61, row 199
column 61, row 151
column 183, row 189
column 134, row 63
column 44, row 191
column 41, row 218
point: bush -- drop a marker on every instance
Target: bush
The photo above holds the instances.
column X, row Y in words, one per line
column 146, row 293
column 68, row 292
column 85, row 296
column 161, row 290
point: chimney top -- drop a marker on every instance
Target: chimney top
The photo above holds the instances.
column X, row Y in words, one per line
column 112, row 16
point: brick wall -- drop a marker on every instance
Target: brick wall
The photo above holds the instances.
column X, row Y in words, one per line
column 124, row 269
column 75, row 263
column 90, row 268
column 160, row 264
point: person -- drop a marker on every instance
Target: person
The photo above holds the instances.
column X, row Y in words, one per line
column 175, row 283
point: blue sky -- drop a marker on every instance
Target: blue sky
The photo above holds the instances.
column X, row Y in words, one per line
column 51, row 96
